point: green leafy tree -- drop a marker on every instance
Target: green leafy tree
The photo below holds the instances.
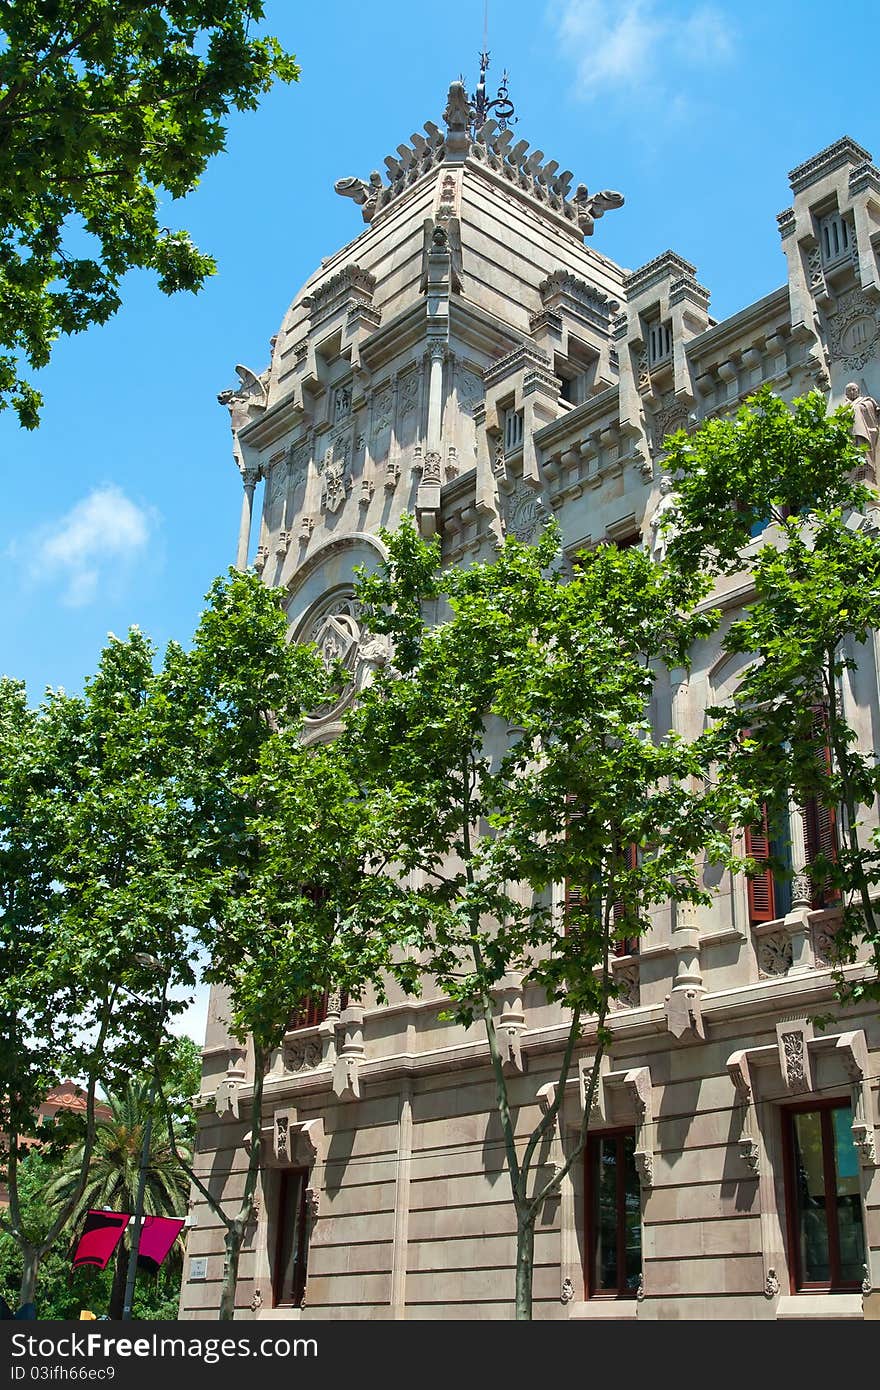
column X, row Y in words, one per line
column 789, row 475
column 103, row 105
column 91, row 905
column 275, row 835
column 510, row 749
column 113, row 1171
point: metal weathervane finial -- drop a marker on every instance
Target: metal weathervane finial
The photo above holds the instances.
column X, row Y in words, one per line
column 502, row 106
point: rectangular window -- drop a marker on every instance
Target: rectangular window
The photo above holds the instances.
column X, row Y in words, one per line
column 823, row 1197
column 834, row 238
column 614, row 1217
column 291, row 1246
column 769, row 891
column 513, row 430
column 659, row 343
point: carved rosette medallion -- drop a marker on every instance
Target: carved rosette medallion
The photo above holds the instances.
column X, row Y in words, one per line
column 775, row 954
column 627, row 982
column 301, row 1055
column 339, row 635
column 525, row 513
column 853, row 330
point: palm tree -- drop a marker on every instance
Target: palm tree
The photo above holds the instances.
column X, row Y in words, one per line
column 113, row 1172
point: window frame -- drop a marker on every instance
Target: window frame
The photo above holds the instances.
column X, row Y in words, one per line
column 797, row 1285
column 618, row 1132
column 301, row 1259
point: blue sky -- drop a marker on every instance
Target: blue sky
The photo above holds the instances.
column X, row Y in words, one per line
column 124, row 504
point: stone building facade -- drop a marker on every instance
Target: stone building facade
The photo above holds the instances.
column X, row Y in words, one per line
column 472, row 359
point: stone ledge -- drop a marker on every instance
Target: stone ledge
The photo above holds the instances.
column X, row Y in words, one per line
column 819, row 1305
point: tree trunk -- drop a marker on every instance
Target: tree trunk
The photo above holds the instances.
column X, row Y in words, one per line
column 230, row 1271
column 30, row 1264
column 117, row 1292
column 525, row 1260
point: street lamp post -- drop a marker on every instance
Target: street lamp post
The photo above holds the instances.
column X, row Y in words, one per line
column 145, row 1157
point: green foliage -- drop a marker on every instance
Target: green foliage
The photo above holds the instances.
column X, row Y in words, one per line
column 816, row 601
column 103, row 105
column 92, row 870
column 273, row 829
column 530, row 699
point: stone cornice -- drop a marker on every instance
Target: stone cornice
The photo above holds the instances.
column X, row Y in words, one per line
column 843, row 151
column 662, row 267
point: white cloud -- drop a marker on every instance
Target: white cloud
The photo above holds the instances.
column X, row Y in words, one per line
column 639, row 44
column 101, row 533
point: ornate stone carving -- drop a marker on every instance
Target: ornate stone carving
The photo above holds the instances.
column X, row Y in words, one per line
column 825, row 943
column 431, row 467
column 256, row 1302
column 525, row 512
column 302, row 1055
column 627, row 982
column 341, row 404
column 409, row 394
column 246, row 401
column 567, row 1292
column 775, row 954
column 666, row 421
column 771, row 1284
column 591, row 206
column 853, row 330
column 282, row 1138
column 306, row 527
column 333, row 468
column 392, row 474
column 794, row 1058
column 644, row 1162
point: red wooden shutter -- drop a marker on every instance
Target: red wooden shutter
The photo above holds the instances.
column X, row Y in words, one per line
column 629, row 945
column 762, row 907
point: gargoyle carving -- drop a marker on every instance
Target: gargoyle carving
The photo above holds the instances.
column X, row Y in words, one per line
column 366, row 195
column 590, row 206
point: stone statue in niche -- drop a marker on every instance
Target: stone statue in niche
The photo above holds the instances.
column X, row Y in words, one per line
column 662, row 526
column 866, row 424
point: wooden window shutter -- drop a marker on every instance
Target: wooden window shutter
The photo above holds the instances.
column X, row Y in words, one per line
column 762, row 907
column 820, row 821
column 627, row 946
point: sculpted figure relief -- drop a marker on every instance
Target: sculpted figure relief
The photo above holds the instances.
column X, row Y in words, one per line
column 866, row 423
column 662, row 529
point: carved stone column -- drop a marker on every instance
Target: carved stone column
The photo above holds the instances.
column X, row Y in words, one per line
column 797, row 922
column 683, row 1011
column 250, row 477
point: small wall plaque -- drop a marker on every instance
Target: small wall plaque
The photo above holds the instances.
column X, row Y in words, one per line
column 198, row 1268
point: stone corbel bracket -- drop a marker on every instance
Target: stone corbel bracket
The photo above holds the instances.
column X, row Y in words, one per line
column 512, row 1023
column 740, row 1075
column 226, row 1095
column 346, row 1078
column 852, row 1049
